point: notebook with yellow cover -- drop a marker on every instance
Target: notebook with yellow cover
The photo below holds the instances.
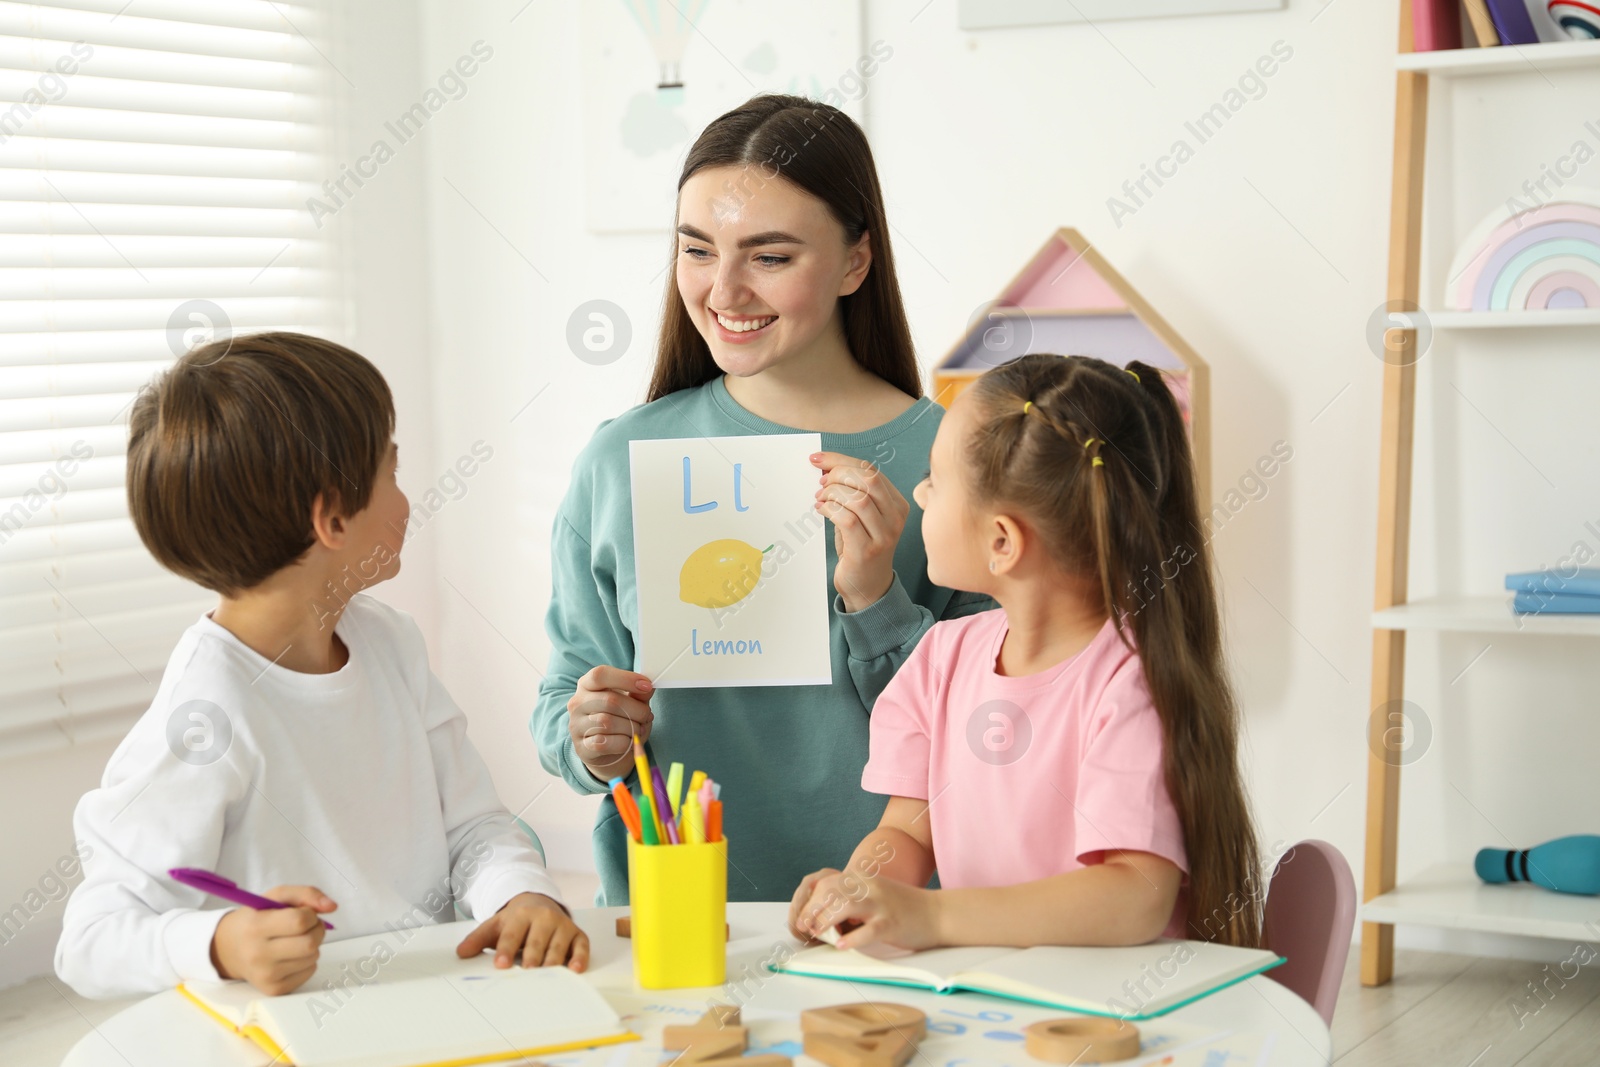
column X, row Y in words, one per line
column 1133, row 982
column 406, row 1000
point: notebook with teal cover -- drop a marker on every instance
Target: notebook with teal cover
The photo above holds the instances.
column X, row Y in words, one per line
column 1131, row 982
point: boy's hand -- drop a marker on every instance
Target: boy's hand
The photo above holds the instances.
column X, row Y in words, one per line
column 870, row 909
column 275, row 950
column 534, row 926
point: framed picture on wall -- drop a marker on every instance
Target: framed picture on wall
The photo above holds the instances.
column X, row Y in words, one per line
column 996, row 14
column 653, row 73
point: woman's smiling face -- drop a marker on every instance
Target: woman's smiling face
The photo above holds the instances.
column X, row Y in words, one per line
column 761, row 265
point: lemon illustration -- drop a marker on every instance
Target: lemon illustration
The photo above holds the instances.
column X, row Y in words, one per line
column 721, row 573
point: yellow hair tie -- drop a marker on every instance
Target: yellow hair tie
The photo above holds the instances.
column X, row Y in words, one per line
column 1026, row 404
column 1098, row 462
column 1087, row 443
column 1135, row 376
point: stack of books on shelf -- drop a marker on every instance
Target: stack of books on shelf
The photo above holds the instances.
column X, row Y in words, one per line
column 1437, row 24
column 1568, row 591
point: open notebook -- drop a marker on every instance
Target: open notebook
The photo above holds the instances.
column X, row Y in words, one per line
column 408, row 1001
column 1137, row 982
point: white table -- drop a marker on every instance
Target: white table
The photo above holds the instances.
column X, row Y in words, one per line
column 1259, row 1020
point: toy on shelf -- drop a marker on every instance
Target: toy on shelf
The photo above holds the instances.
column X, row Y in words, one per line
column 1070, row 301
column 1565, row 865
column 1545, row 257
column 1580, row 21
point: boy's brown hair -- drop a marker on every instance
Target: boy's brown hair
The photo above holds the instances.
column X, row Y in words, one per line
column 229, row 447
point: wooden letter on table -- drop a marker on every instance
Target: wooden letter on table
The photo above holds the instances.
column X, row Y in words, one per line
column 716, row 1040
column 1078, row 1040
column 863, row 1035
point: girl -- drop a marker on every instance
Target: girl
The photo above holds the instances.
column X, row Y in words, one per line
column 782, row 315
column 1067, row 763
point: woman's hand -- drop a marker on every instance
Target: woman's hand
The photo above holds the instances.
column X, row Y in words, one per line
column 869, row 909
column 867, row 513
column 608, row 708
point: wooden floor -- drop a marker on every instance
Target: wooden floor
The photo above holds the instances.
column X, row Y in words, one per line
column 1440, row 1011
column 1462, row 1011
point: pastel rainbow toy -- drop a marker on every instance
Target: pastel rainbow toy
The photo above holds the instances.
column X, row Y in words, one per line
column 1545, row 257
column 1580, row 19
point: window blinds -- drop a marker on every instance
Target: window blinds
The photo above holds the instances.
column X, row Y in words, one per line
column 155, row 162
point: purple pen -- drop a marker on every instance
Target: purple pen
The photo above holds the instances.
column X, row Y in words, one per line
column 218, row 886
column 664, row 808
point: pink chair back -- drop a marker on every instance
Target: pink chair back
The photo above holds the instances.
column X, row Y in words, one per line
column 1310, row 916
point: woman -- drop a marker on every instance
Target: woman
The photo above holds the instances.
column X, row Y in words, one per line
column 782, row 315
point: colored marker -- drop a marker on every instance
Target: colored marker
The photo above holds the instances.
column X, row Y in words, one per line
column 226, row 889
column 626, row 808
column 648, row 823
column 714, row 821
column 642, row 765
column 675, row 788
column 693, row 831
column 663, row 807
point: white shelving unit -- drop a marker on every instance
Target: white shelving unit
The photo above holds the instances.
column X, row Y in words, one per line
column 1502, row 59
column 1451, row 896
column 1447, row 896
column 1499, row 320
column 1480, row 615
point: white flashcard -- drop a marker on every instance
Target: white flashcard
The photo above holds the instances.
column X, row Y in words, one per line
column 730, row 561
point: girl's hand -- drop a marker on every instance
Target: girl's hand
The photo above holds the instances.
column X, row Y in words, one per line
column 534, row 928
column 800, row 923
column 867, row 513
column 870, row 909
column 609, row 706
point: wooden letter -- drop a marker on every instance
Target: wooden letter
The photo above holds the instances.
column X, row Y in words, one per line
column 863, row 1035
column 1081, row 1040
column 714, row 1036
column 883, row 1050
column 866, row 1019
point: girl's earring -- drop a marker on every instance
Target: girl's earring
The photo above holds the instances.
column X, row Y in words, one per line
column 991, row 566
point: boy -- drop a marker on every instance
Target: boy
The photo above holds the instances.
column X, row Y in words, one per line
column 298, row 735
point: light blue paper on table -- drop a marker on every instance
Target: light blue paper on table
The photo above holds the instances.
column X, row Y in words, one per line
column 730, row 561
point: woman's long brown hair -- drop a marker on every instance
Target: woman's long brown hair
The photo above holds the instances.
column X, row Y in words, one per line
column 819, row 149
column 1100, row 466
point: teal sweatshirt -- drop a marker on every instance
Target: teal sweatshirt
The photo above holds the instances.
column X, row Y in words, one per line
column 789, row 757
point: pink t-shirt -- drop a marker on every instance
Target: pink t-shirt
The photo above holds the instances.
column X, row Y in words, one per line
column 1031, row 776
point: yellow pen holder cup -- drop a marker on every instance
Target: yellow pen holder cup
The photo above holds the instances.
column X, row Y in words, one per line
column 678, row 897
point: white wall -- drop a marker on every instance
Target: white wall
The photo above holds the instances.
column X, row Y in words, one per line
column 1267, row 250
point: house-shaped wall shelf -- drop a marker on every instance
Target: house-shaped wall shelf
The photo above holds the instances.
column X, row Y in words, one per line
column 1070, row 301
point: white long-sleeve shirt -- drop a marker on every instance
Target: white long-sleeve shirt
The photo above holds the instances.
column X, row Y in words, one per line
column 360, row 782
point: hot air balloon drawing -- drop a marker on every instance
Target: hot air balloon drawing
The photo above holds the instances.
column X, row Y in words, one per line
column 667, row 26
